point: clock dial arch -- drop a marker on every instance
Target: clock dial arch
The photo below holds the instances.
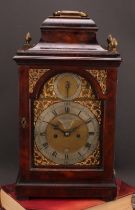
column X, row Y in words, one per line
column 50, row 73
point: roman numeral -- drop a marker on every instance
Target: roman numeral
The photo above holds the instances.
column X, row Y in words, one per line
column 79, row 154
column 42, row 133
column 89, row 120
column 66, row 156
column 54, row 154
column 91, row 133
column 88, row 145
column 45, row 145
column 79, row 112
column 54, row 112
column 67, row 109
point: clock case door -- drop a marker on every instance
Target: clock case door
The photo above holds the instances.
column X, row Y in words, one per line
column 67, row 181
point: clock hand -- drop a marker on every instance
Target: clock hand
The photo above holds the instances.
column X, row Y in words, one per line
column 55, row 126
column 58, row 128
column 66, row 133
column 67, row 86
column 73, row 129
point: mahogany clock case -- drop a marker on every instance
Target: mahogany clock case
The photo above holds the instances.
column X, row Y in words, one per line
column 67, row 45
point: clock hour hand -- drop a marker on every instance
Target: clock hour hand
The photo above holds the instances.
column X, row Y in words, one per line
column 55, row 126
column 66, row 133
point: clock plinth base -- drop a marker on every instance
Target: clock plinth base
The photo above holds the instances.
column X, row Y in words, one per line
column 106, row 191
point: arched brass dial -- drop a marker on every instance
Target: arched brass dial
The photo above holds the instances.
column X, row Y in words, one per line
column 66, row 133
column 67, row 86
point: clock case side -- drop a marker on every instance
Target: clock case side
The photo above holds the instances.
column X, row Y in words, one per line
column 77, row 59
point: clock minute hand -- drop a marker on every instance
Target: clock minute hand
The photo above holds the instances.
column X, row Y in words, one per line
column 73, row 129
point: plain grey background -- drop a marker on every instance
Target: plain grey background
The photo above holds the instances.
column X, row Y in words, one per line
column 20, row 16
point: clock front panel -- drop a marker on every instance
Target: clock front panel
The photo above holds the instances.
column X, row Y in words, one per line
column 67, row 120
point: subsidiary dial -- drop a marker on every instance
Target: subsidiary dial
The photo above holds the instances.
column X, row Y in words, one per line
column 67, row 86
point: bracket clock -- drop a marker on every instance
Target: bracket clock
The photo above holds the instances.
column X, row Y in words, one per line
column 67, row 88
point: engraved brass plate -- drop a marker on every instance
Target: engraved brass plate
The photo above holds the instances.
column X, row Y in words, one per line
column 101, row 77
column 49, row 97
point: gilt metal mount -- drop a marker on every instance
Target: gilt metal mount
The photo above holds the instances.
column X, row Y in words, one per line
column 27, row 43
column 112, row 43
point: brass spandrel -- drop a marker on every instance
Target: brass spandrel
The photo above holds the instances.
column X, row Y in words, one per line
column 40, row 105
column 40, row 160
column 101, row 77
column 94, row 106
column 93, row 159
column 34, row 76
column 86, row 90
column 48, row 90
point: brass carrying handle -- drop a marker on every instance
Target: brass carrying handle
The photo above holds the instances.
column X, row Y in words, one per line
column 66, row 13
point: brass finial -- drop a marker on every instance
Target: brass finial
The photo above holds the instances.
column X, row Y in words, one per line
column 27, row 41
column 112, row 43
column 28, row 38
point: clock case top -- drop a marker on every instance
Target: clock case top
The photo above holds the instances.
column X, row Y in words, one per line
column 68, row 44
column 70, row 38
